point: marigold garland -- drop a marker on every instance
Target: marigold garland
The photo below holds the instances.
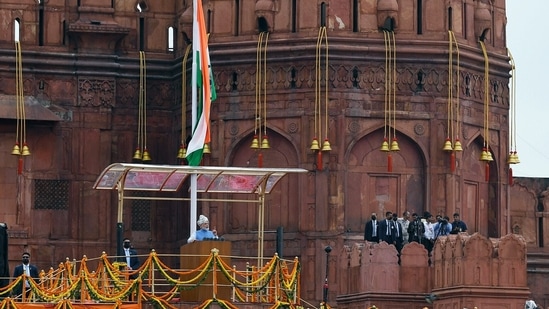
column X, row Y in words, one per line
column 109, row 284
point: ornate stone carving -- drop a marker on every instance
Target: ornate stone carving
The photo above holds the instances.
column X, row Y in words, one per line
column 96, row 93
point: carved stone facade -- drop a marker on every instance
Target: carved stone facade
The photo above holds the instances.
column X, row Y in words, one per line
column 81, row 59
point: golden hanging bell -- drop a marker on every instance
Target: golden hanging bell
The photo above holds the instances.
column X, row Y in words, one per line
column 517, row 160
column 137, row 154
column 512, row 159
column 265, row 143
column 182, row 152
column 384, row 145
column 206, row 149
column 16, row 150
column 394, row 145
column 489, row 156
column 447, row 145
column 457, row 145
column 485, row 155
column 326, row 145
column 314, row 144
column 146, row 155
column 25, row 151
column 255, row 143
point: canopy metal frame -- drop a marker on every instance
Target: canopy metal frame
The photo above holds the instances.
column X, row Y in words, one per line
column 124, row 177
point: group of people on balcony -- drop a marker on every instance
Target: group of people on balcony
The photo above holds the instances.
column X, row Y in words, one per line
column 400, row 231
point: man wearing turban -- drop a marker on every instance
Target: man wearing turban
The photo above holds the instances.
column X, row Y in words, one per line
column 204, row 232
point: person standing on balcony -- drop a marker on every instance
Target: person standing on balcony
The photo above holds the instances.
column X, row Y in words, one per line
column 371, row 232
column 131, row 258
column 29, row 270
column 204, row 232
column 458, row 226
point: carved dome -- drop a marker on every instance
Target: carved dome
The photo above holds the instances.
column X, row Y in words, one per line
column 387, row 5
column 187, row 16
column 482, row 13
column 264, row 5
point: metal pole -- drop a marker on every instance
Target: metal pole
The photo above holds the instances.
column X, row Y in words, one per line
column 119, row 219
column 328, row 249
column 280, row 241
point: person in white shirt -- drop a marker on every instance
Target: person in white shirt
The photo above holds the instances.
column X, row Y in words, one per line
column 405, row 222
column 429, row 236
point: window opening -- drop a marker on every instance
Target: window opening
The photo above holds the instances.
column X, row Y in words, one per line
column 323, row 14
column 141, row 33
column 208, row 22
column 293, row 75
column 419, row 17
column 420, row 82
column 355, row 15
column 450, row 18
column 294, row 16
column 64, row 34
column 16, row 29
column 171, row 39
column 40, row 23
column 467, row 86
column 236, row 17
column 355, row 77
column 262, row 25
column 234, row 86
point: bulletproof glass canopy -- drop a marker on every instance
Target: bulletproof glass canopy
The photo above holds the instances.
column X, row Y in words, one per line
column 210, row 179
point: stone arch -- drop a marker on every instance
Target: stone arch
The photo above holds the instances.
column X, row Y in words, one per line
column 264, row 11
column 371, row 188
column 478, row 206
column 282, row 204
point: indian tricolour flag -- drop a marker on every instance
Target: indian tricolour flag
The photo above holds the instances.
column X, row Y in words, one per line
column 203, row 88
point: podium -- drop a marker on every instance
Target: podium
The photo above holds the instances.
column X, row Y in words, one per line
column 192, row 256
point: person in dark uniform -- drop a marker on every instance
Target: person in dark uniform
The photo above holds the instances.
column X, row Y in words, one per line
column 28, row 269
column 371, row 232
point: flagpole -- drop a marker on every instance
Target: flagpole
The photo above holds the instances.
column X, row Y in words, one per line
column 194, row 107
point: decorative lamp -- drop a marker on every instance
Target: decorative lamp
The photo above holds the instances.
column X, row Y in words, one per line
column 326, row 145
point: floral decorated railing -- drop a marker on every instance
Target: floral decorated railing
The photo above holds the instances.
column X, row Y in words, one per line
column 74, row 284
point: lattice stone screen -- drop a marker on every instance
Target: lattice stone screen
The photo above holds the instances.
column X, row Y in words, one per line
column 51, row 194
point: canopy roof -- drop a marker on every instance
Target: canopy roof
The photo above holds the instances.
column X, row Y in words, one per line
column 170, row 178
